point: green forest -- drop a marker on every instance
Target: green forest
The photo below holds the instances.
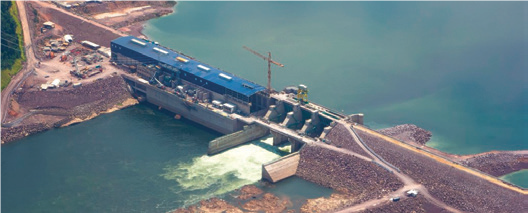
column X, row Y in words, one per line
column 12, row 42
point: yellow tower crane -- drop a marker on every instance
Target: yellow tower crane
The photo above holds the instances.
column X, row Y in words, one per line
column 268, row 59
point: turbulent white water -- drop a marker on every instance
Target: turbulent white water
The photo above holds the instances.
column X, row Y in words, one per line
column 223, row 172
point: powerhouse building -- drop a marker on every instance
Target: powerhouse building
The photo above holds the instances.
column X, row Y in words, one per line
column 161, row 65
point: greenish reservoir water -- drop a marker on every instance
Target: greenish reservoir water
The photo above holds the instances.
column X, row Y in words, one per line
column 455, row 68
column 519, row 178
column 458, row 69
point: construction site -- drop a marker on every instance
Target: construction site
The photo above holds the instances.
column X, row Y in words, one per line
column 370, row 171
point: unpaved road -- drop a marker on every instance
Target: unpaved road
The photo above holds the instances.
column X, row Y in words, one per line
column 408, row 182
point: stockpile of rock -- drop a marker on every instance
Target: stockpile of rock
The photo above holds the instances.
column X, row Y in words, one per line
column 498, row 164
column 78, row 102
column 454, row 187
column 345, row 172
column 408, row 133
column 68, row 103
column 339, row 136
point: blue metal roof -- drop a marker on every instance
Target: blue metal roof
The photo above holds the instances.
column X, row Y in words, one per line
column 236, row 84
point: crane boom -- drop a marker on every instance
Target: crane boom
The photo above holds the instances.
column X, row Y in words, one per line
column 268, row 59
column 263, row 57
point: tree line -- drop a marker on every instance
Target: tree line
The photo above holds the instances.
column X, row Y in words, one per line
column 10, row 41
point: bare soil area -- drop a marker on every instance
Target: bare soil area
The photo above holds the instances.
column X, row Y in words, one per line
column 68, row 24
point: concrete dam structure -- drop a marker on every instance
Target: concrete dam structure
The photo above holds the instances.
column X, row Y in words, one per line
column 242, row 110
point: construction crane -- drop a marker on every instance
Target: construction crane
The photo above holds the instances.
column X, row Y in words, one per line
column 268, row 59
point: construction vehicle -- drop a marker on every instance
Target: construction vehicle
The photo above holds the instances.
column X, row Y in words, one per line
column 302, row 94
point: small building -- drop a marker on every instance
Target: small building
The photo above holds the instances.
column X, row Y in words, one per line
column 49, row 25
column 68, row 38
column 55, row 83
column 90, row 44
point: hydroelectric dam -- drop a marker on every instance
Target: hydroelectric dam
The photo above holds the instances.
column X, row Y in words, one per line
column 327, row 147
column 219, row 100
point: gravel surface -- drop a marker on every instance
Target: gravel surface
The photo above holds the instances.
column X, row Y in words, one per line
column 454, row 187
column 339, row 136
column 346, row 173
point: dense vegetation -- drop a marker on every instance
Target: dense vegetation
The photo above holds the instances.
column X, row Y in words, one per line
column 12, row 42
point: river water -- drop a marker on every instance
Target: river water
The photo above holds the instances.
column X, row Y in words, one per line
column 134, row 160
column 457, row 69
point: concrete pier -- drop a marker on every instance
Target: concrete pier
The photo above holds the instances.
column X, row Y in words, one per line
column 296, row 145
column 311, row 125
column 282, row 168
column 276, row 113
column 249, row 133
column 326, row 130
column 294, row 119
column 278, row 138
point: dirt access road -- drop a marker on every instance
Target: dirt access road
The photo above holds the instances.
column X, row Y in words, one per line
column 408, row 182
column 29, row 66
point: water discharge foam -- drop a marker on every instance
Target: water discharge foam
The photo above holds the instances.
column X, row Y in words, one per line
column 215, row 175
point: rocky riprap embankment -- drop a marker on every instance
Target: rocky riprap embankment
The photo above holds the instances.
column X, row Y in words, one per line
column 452, row 186
column 67, row 103
column 362, row 179
column 339, row 136
column 408, row 133
column 498, row 163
